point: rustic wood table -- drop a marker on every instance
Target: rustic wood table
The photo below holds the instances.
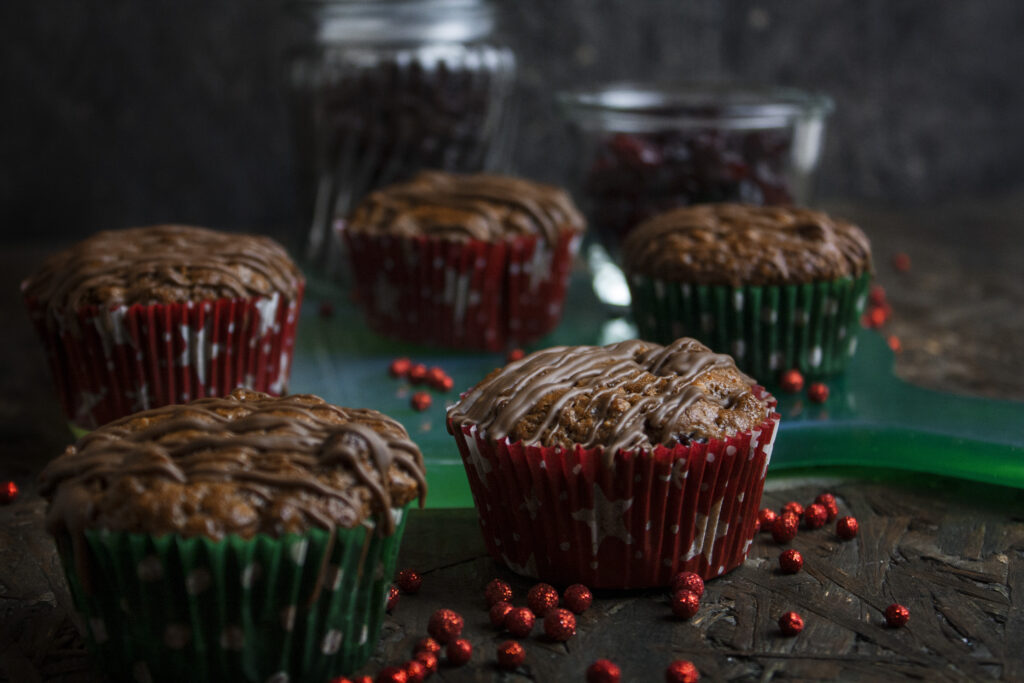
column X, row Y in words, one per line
column 951, row 551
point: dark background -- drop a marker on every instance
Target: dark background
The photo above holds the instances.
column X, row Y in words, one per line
column 127, row 112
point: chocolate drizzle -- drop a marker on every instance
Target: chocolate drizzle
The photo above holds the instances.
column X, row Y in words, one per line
column 463, row 207
column 735, row 244
column 629, row 395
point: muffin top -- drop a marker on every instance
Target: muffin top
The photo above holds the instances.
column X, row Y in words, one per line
column 457, row 207
column 245, row 464
column 736, row 244
column 629, row 395
column 162, row 264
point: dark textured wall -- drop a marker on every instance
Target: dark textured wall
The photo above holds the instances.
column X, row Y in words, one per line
column 127, row 112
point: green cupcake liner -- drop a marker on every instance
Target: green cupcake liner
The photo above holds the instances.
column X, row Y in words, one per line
column 267, row 610
column 767, row 329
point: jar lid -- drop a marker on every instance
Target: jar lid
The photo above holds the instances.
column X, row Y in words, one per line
column 398, row 21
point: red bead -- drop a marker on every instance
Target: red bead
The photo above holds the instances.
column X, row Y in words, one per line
column 818, row 392
column 510, row 655
column 392, row 598
column 785, row 527
column 791, row 381
column 391, row 674
column 459, row 652
column 846, row 528
column 435, row 376
column 409, row 581
column 445, row 384
column 415, row 671
column 420, row 401
column 542, row 598
column 690, row 581
column 791, row 561
column 815, row 516
column 519, row 621
column 417, row 373
column 876, row 317
column 445, row 625
column 400, row 367
column 794, row 507
column 577, row 598
column 326, row 309
column 428, row 660
column 559, row 624
column 497, row 591
column 829, row 501
column 8, row 492
column 514, row 355
column 681, row 671
column 901, row 262
column 767, row 517
column 791, row 624
column 877, row 295
column 427, row 644
column 685, row 603
column 894, row 343
column 896, row 615
column 362, row 679
column 757, row 525
column 341, row 679
column 498, row 612
column 604, row 671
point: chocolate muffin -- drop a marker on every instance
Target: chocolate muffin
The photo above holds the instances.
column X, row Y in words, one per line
column 576, row 453
column 469, row 261
column 777, row 287
column 248, row 526
column 139, row 318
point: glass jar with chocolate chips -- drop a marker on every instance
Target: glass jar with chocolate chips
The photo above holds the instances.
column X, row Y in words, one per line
column 383, row 88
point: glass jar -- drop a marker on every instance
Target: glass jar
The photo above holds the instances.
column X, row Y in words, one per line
column 383, row 88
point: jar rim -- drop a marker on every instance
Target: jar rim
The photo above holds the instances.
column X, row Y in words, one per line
column 399, row 21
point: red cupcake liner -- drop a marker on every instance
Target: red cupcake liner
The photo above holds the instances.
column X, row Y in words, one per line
column 111, row 362
column 470, row 295
column 566, row 516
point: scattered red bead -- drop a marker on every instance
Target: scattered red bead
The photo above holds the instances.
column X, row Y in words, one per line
column 876, row 317
column 785, row 528
column 767, row 517
column 497, row 591
column 604, row 671
column 791, row 561
column 341, row 679
column 392, row 598
column 901, row 262
column 829, row 501
column 445, row 384
column 559, row 624
column 690, row 581
column 435, row 376
column 428, row 660
column 409, row 581
column 794, row 507
column 894, row 343
column 326, row 309
column 415, row 672
column 391, row 674
column 792, row 381
column 681, row 671
column 400, row 367
column 514, row 355
column 417, row 373
column 685, row 603
column 818, row 392
column 511, row 655
column 815, row 516
column 846, row 528
column 896, row 615
column 420, row 401
column 498, row 612
column 427, row 644
column 577, row 598
column 519, row 621
column 8, row 492
column 877, row 295
column 362, row 679
column 445, row 625
column 459, row 652
column 542, row 598
column 791, row 624
column 757, row 525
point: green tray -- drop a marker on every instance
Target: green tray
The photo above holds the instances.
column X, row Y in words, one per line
column 871, row 419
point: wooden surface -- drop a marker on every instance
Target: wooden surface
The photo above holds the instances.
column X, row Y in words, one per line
column 951, row 551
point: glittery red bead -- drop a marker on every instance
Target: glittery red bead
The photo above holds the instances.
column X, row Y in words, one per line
column 445, row 625
column 767, row 517
column 690, row 581
column 362, row 679
column 459, row 652
column 896, row 615
column 757, row 526
column 791, row 561
column 846, row 528
column 685, row 603
column 794, row 507
column 391, row 674
column 341, row 679
column 818, row 392
column 498, row 612
column 445, row 384
column 435, row 375
column 417, row 373
column 514, row 355
column 877, row 295
column 559, row 624
column 409, row 581
column 519, row 621
column 510, row 655
column 497, row 591
column 829, row 501
column 400, row 367
column 815, row 516
column 894, row 343
column 542, row 598
column 326, row 309
column 420, row 401
column 876, row 317
column 901, row 262
column 8, row 492
column 392, row 598
column 577, row 598
column 785, row 527
column 427, row 644
column 415, row 671
column 604, row 671
column 791, row 624
column 791, row 381
column 681, row 671
column 428, row 660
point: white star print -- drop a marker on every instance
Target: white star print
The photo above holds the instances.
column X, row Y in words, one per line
column 703, row 542
column 680, row 470
column 606, row 518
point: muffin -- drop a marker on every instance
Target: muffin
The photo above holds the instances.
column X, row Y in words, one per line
column 243, row 538
column 617, row 466
column 146, row 317
column 464, row 261
column 777, row 287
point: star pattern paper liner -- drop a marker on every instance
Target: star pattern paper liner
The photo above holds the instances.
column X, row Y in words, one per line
column 811, row 327
column 564, row 516
column 265, row 610
column 470, row 295
column 111, row 362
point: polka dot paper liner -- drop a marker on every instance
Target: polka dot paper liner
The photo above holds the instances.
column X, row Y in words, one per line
column 566, row 516
column 111, row 362
column 297, row 608
column 812, row 327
